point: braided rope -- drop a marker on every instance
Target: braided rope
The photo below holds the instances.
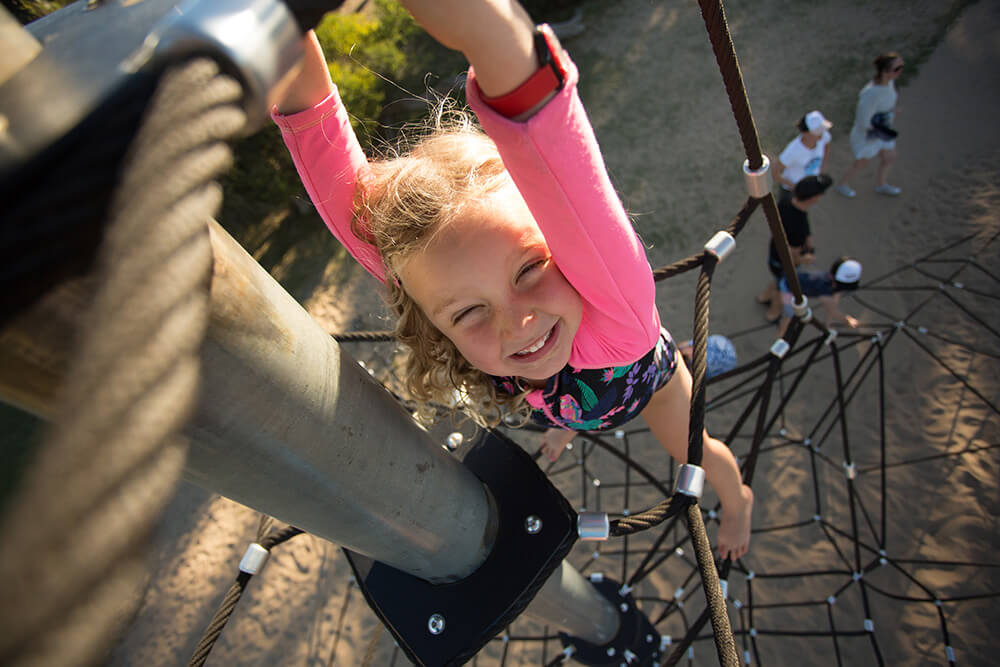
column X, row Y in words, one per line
column 266, row 538
column 736, row 225
column 724, row 644
column 364, row 336
column 71, row 557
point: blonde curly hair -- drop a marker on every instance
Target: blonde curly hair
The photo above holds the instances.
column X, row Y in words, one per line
column 401, row 204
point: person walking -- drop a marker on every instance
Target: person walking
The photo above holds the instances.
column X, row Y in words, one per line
column 873, row 134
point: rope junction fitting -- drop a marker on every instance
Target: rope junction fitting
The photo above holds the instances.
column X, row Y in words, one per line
column 758, row 181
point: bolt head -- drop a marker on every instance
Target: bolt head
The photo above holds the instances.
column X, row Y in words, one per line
column 455, row 440
column 533, row 525
column 435, row 624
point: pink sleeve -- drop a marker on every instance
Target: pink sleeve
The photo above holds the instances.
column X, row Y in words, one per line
column 557, row 166
column 330, row 162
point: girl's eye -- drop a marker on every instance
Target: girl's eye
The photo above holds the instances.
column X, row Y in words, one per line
column 530, row 266
column 460, row 315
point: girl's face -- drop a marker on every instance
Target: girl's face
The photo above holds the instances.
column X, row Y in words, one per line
column 488, row 282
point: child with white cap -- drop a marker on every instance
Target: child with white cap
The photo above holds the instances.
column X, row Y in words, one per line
column 826, row 287
column 805, row 155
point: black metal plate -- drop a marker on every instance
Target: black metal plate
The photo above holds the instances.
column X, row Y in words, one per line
column 636, row 635
column 478, row 607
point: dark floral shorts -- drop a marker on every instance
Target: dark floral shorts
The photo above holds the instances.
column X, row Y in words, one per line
column 597, row 399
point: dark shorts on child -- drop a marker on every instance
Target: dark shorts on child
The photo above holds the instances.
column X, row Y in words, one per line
column 598, row 399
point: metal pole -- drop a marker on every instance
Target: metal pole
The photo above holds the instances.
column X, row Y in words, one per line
column 290, row 425
column 567, row 601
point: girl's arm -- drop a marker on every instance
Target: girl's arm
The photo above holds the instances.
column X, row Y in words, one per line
column 327, row 155
column 312, row 85
column 557, row 166
column 496, row 36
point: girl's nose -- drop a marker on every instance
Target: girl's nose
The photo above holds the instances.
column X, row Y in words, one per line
column 517, row 318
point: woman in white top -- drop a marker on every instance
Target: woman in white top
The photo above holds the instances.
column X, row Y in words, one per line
column 873, row 132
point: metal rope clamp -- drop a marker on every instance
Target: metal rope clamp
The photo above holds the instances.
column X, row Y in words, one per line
column 720, row 245
column 758, row 180
column 802, row 309
column 254, row 558
column 690, row 480
column 593, row 526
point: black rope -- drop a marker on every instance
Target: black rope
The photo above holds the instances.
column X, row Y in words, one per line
column 266, row 538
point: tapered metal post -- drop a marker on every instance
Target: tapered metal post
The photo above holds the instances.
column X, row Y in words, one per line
column 290, row 425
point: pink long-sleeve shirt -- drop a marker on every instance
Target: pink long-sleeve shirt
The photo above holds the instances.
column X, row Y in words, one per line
column 556, row 164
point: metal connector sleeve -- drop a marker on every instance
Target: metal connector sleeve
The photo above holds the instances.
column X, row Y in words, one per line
column 721, row 245
column 758, row 181
column 593, row 525
column 253, row 560
column 690, row 480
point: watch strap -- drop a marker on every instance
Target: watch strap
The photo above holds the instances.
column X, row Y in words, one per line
column 547, row 79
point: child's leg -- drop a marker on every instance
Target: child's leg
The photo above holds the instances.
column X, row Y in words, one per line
column 667, row 415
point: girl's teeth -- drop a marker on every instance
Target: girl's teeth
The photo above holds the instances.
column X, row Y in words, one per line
column 536, row 347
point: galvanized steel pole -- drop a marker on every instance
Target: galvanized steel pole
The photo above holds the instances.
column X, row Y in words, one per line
column 290, row 425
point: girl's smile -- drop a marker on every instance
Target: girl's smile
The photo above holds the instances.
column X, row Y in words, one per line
column 488, row 281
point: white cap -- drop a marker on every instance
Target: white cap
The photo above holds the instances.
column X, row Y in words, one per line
column 817, row 123
column 849, row 271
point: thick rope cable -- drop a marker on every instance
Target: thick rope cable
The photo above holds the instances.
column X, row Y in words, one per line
column 734, row 228
column 76, row 528
column 676, row 503
column 714, row 17
column 266, row 538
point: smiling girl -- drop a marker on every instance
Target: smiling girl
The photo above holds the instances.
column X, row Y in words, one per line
column 515, row 273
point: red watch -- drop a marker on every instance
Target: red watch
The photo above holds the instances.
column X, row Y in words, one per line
column 547, row 79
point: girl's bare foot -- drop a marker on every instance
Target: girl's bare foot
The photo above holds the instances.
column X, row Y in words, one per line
column 734, row 528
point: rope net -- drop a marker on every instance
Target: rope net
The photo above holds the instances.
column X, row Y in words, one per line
column 845, row 559
column 840, row 566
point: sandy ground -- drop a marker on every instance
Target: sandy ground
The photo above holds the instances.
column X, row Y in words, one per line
column 684, row 182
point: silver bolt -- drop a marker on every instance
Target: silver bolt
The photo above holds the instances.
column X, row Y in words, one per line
column 435, row 624
column 623, row 606
column 611, row 650
column 454, row 440
column 533, row 525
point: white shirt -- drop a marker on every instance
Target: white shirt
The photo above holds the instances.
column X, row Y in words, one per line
column 800, row 161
